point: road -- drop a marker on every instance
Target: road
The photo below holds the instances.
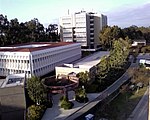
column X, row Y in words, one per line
column 141, row 110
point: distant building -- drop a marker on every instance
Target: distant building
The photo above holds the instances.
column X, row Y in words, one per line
column 145, row 62
column 139, row 42
column 83, row 27
column 12, row 97
column 38, row 58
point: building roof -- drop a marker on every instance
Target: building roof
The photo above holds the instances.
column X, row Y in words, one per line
column 33, row 46
column 87, row 62
column 13, row 80
column 92, row 60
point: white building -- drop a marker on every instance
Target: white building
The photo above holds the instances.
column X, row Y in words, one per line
column 145, row 62
column 38, row 58
column 139, row 42
column 88, row 64
column 84, row 28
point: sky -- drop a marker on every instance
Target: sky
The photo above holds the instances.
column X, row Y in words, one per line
column 49, row 11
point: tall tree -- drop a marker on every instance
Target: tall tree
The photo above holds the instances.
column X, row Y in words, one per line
column 36, row 90
column 109, row 34
column 4, row 23
column 52, row 32
column 103, row 68
column 83, row 78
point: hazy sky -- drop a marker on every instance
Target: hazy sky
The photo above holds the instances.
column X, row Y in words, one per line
column 48, row 11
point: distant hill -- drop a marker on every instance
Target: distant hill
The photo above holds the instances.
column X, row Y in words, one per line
column 124, row 17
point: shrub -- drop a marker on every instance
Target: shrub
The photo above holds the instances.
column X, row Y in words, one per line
column 35, row 112
column 65, row 103
column 80, row 95
column 81, row 99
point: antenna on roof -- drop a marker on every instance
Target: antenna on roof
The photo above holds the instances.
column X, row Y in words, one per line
column 82, row 10
column 68, row 11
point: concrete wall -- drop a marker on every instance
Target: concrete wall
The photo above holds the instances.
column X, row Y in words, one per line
column 67, row 70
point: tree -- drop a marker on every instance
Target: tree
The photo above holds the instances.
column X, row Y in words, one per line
column 52, row 32
column 109, row 34
column 133, row 32
column 35, row 112
column 36, row 90
column 83, row 78
column 4, row 23
column 36, row 30
column 139, row 75
column 103, row 68
column 119, row 53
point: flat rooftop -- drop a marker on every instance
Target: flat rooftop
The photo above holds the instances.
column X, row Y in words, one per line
column 88, row 61
column 92, row 60
column 33, row 46
column 12, row 80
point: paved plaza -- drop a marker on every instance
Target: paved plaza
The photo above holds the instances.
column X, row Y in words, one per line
column 57, row 113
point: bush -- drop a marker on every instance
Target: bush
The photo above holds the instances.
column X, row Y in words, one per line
column 80, row 95
column 81, row 99
column 65, row 103
column 35, row 112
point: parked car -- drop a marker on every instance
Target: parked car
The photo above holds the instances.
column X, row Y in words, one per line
column 132, row 87
column 140, row 85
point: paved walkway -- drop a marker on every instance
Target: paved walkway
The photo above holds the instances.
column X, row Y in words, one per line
column 57, row 113
column 141, row 110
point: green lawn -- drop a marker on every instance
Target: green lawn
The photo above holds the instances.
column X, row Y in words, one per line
column 122, row 106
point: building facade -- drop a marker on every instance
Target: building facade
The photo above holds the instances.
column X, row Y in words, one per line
column 37, row 59
column 84, row 28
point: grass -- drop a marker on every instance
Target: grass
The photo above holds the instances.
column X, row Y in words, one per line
column 122, row 106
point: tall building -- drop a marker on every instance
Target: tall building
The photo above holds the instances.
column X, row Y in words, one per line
column 84, row 28
column 37, row 59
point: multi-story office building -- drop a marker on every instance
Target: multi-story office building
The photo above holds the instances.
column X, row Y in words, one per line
column 84, row 28
column 37, row 59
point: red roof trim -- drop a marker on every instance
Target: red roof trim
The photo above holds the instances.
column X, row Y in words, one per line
column 49, row 45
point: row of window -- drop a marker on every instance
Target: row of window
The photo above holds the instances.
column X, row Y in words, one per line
column 13, row 57
column 49, row 53
column 55, row 58
column 10, row 71
column 13, row 61
column 44, row 70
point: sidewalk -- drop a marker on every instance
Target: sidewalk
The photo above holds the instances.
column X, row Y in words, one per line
column 141, row 110
column 57, row 113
